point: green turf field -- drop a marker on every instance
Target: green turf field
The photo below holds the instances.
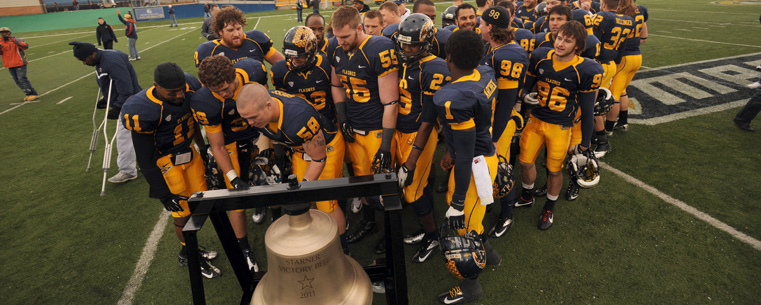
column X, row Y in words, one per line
column 623, row 242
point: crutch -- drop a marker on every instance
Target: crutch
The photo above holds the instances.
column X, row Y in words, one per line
column 109, row 145
column 95, row 129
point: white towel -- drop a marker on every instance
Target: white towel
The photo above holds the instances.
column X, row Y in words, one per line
column 483, row 180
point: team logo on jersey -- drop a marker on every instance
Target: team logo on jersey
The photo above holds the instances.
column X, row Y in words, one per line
column 165, row 169
column 541, row 71
column 232, row 111
column 338, row 59
column 379, row 134
column 221, row 53
column 168, row 118
column 329, row 148
column 290, row 84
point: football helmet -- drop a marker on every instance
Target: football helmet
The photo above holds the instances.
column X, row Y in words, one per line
column 214, row 178
column 604, row 101
column 505, row 179
column 263, row 169
column 541, row 10
column 300, row 41
column 448, row 16
column 465, row 255
column 584, row 169
column 416, row 30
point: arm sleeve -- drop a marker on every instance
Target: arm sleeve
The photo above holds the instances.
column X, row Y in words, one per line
column 465, row 145
column 502, row 111
column 97, row 35
column 587, row 100
column 144, row 154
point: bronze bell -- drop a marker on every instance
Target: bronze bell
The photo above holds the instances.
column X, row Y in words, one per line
column 306, row 265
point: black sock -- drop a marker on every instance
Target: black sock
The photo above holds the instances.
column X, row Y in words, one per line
column 623, row 117
column 368, row 213
column 507, row 205
column 602, row 138
column 609, row 125
column 434, row 235
column 549, row 205
column 527, row 193
column 276, row 213
column 243, row 243
column 184, row 251
column 344, row 243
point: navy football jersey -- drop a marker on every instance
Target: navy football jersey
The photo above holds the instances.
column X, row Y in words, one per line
column 220, row 114
column 256, row 45
column 172, row 125
column 299, row 122
column 516, row 23
column 509, row 63
column 584, row 18
column 417, row 84
column 467, row 103
column 526, row 39
column 312, row 85
column 611, row 29
column 558, row 89
column 594, row 6
column 592, row 50
column 525, row 14
column 390, row 31
column 544, row 40
column 439, row 41
column 359, row 72
column 633, row 41
column 542, row 25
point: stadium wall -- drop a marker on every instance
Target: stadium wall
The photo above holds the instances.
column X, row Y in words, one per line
column 20, row 7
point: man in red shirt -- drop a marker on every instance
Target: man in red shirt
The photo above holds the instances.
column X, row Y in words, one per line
column 12, row 51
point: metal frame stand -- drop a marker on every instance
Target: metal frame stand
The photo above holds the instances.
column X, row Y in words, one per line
column 215, row 204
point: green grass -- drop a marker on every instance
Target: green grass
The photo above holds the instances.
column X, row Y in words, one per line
column 617, row 244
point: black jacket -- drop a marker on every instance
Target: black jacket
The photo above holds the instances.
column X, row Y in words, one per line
column 105, row 33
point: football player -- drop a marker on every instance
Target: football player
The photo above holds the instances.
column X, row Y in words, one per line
column 317, row 144
column 466, row 18
column 526, row 13
column 316, row 22
column 420, row 76
column 542, row 24
column 426, row 7
column 391, row 18
column 611, row 29
column 230, row 138
column 509, row 61
column 305, row 72
column 523, row 37
column 373, row 23
column 234, row 43
column 566, row 83
column 630, row 64
column 464, row 109
column 587, row 5
column 163, row 128
column 516, row 22
column 365, row 92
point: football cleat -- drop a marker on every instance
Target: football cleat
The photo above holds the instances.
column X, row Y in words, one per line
column 621, row 127
column 501, row 227
column 457, row 295
column 208, row 270
column 541, row 192
column 365, row 228
column 258, row 216
column 380, row 247
column 379, row 287
column 602, row 149
column 572, row 192
column 424, row 253
column 249, row 256
column 521, row 202
column 546, row 220
column 205, row 255
column 414, row 238
column 356, row 205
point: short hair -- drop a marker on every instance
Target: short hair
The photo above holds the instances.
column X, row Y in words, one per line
column 481, row 3
column 216, row 70
column 226, row 16
column 464, row 49
column 509, row 6
column 562, row 10
column 611, row 4
column 372, row 14
column 576, row 30
column 345, row 15
column 463, row 6
column 390, row 6
column 315, row 15
column 421, row 2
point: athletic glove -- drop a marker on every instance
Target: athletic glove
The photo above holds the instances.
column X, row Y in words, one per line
column 382, row 161
column 455, row 215
column 172, row 202
column 343, row 122
column 239, row 184
column 405, row 176
column 113, row 113
column 530, row 99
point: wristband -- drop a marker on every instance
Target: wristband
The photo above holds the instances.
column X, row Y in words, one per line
column 231, row 175
column 391, row 103
column 416, row 147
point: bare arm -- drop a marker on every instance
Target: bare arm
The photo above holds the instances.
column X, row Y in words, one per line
column 388, row 85
column 316, row 150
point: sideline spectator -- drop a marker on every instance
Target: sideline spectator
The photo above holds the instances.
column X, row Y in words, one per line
column 299, row 9
column 131, row 32
column 172, row 18
column 206, row 10
column 316, row 6
column 206, row 29
column 12, row 52
column 105, row 33
column 75, row 4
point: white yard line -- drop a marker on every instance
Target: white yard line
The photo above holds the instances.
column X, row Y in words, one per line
column 687, row 208
column 149, row 250
column 688, row 114
column 707, row 41
column 63, row 100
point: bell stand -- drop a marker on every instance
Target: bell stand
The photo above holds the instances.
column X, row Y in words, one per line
column 214, row 205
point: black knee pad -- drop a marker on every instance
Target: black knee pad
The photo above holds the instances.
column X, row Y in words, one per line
column 424, row 205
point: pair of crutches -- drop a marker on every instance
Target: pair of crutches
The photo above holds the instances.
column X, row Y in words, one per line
column 96, row 134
